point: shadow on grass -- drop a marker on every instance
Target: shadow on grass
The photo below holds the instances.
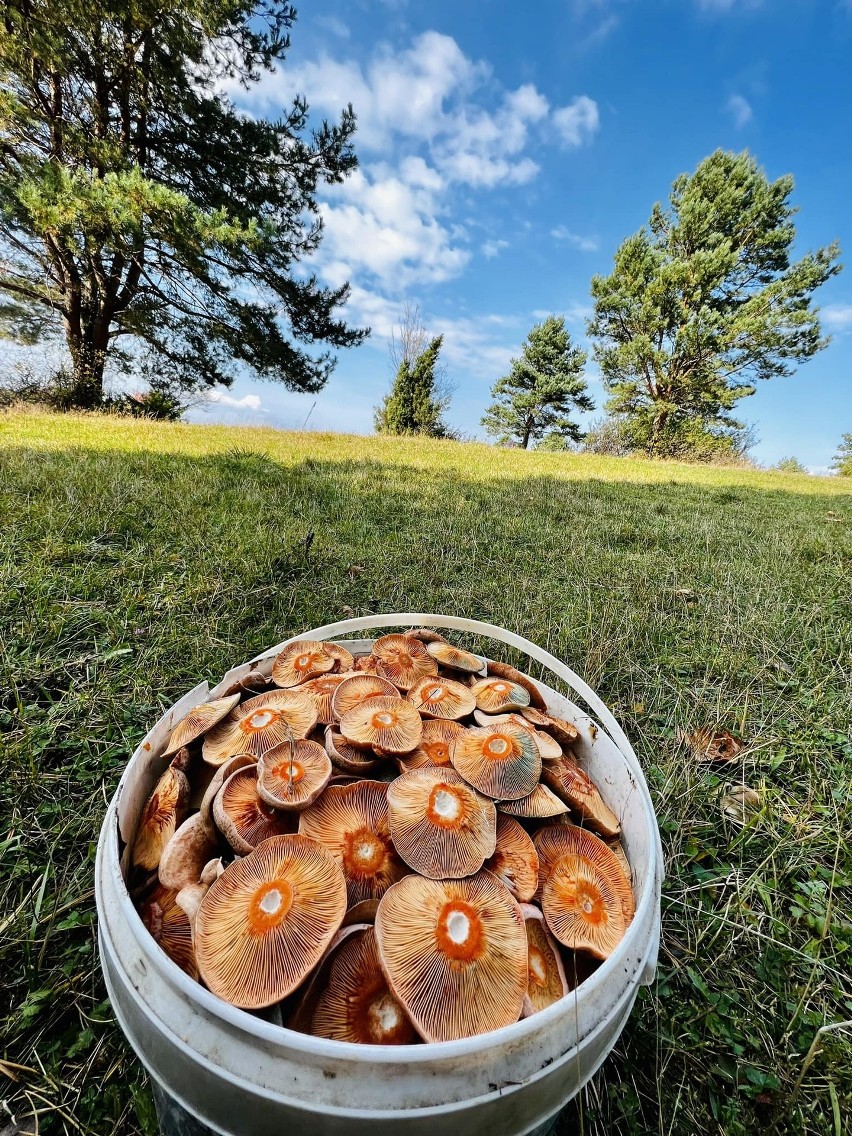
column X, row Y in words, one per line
column 128, row 577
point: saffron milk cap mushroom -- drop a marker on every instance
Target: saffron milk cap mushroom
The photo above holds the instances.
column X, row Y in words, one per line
column 389, row 724
column 259, row 724
column 502, row 762
column 436, row 697
column 198, row 721
column 403, row 660
column 291, row 775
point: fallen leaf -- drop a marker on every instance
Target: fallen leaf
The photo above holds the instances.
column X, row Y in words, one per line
column 741, row 805
column 710, row 744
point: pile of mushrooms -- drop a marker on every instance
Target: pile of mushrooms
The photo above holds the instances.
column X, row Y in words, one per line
column 384, row 849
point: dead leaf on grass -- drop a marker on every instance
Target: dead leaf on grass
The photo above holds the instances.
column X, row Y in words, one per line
column 710, row 744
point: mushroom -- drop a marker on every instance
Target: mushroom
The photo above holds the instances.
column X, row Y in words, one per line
column 503, row 670
column 186, row 854
column 259, row 724
column 357, row 1004
column 454, row 658
column 220, row 776
column 570, row 782
column 292, row 776
column 321, row 692
column 434, row 749
column 584, row 906
column 425, row 635
column 366, row 664
column 440, row 826
column 556, row 841
column 496, row 695
column 242, row 815
column 566, row 733
column 351, row 821
column 253, row 681
column 357, row 689
column 441, row 698
column 454, row 953
column 390, row 724
column 164, row 810
column 265, row 923
column 198, row 721
column 169, row 927
column 363, row 912
column 307, row 658
column 403, row 660
column 348, row 757
column 541, row 803
column 546, row 982
column 515, row 860
column 548, row 747
column 502, row 762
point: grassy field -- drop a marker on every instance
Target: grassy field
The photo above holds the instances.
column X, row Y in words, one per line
column 137, row 558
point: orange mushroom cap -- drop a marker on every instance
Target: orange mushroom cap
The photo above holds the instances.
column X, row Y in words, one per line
column 265, row 923
column 583, row 906
column 351, row 821
column 497, row 695
column 259, row 724
column 305, row 659
column 570, row 782
column 454, row 953
column 435, row 742
column 440, row 826
column 358, row 688
column 504, row 670
column 220, row 776
column 454, row 658
column 291, row 777
column 547, row 982
column 242, row 815
column 502, row 762
column 403, row 660
column 541, row 803
column 390, row 724
column 321, row 692
column 357, row 1004
column 515, row 860
column 349, row 758
column 164, row 811
column 555, row 841
column 566, row 733
column 198, row 721
column 441, row 698
column 169, row 927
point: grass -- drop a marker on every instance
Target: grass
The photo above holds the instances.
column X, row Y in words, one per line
column 137, row 558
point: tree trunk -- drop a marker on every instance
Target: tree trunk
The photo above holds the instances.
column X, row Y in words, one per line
column 88, row 357
column 528, row 429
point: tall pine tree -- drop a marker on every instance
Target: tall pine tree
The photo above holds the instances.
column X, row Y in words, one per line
column 536, row 399
column 413, row 406
column 137, row 206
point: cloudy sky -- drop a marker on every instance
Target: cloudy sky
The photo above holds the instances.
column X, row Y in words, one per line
column 504, row 155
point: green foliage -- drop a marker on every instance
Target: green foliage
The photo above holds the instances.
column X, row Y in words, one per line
column 542, row 388
column 704, row 302
column 137, row 205
column 412, row 406
column 843, row 458
column 790, row 465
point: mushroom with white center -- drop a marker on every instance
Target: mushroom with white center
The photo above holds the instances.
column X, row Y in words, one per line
column 556, row 841
column 259, row 724
column 389, row 724
column 357, row 1004
column 292, row 776
column 502, row 762
column 265, row 923
column 198, row 721
column 497, row 695
column 307, row 658
column 440, row 826
column 504, row 670
column 351, row 821
column 454, row 953
column 584, row 906
column 358, row 688
column 441, row 698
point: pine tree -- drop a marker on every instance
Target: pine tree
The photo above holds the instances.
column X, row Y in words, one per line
column 704, row 302
column 137, row 206
column 843, row 458
column 543, row 387
column 412, row 406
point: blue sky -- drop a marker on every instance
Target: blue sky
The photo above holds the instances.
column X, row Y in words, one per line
column 506, row 151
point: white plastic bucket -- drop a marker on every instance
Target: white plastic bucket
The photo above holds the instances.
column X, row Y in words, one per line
column 242, row 1076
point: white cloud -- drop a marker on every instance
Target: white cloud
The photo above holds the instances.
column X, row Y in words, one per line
column 578, row 122
column 584, row 244
column 247, row 402
column 490, row 249
column 837, row 317
column 740, row 109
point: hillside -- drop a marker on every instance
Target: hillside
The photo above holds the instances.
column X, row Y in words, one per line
column 137, row 558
